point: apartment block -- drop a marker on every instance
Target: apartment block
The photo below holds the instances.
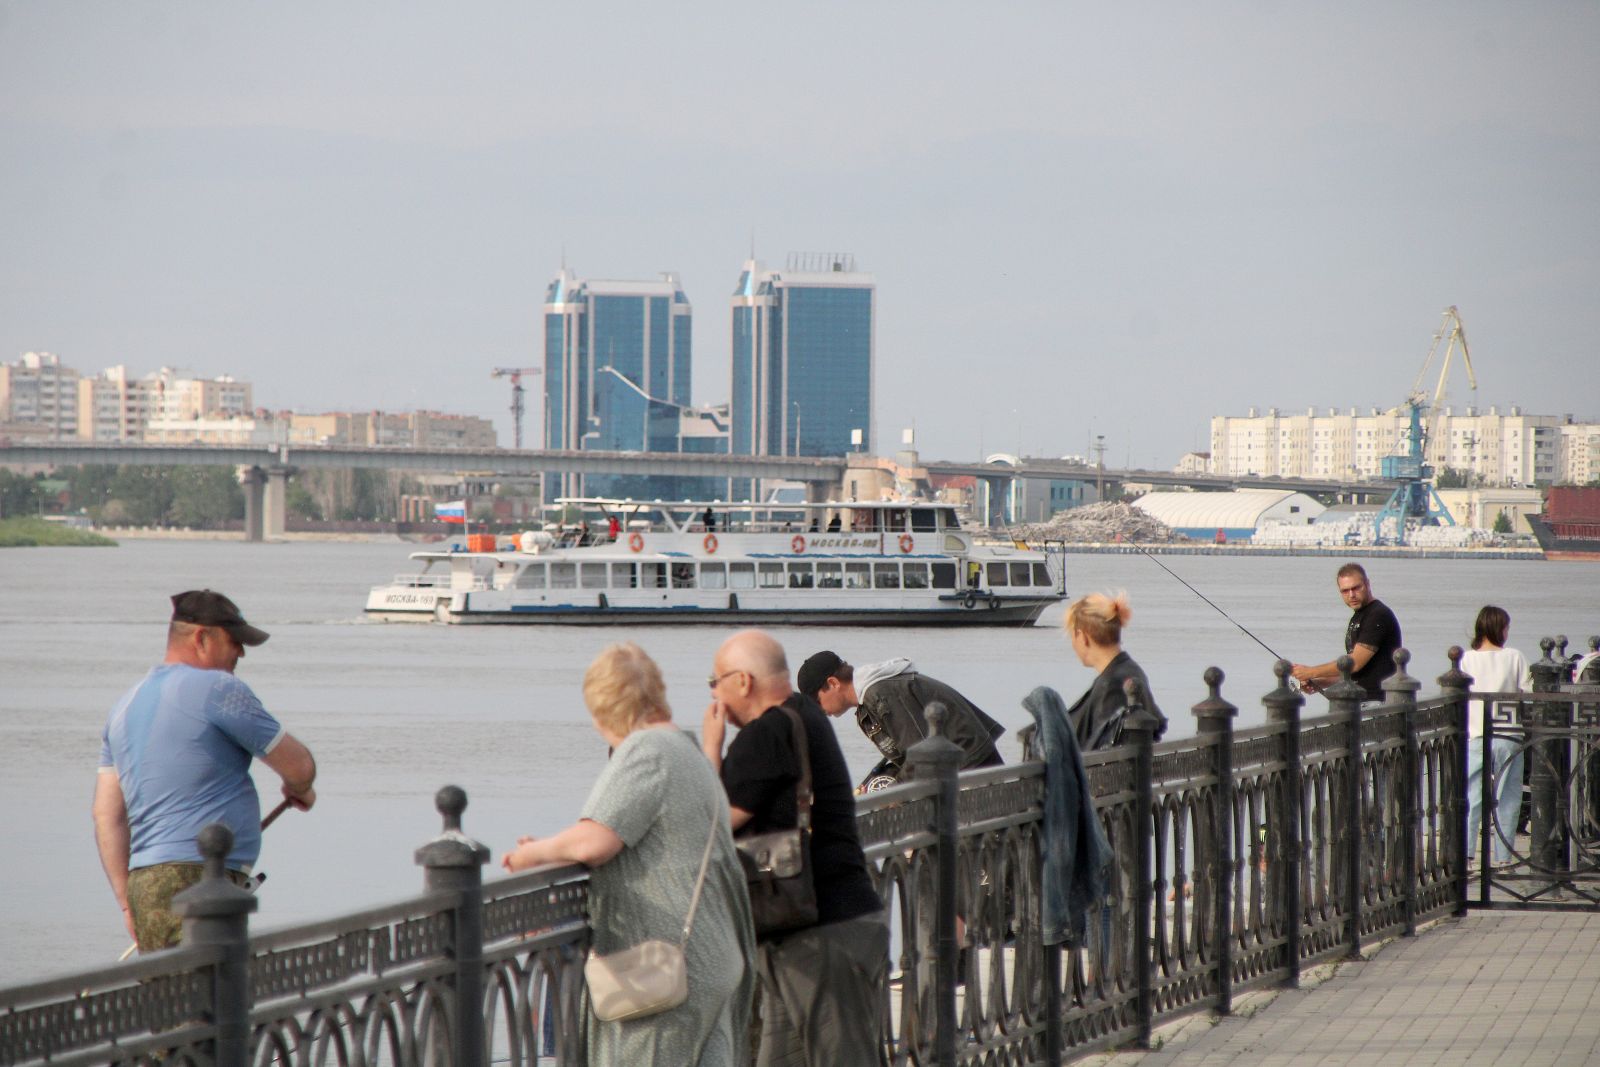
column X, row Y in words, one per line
column 39, row 396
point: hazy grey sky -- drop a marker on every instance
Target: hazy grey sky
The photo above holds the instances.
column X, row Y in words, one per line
column 1083, row 219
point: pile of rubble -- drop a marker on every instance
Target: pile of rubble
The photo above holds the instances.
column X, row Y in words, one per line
column 1100, row 523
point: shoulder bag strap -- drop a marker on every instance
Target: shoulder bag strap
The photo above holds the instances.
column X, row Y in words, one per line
column 802, row 788
column 700, row 879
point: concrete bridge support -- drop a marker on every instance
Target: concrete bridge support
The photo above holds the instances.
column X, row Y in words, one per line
column 254, row 480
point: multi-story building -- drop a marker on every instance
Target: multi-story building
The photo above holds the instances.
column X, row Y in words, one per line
column 1493, row 448
column 803, row 356
column 115, row 406
column 393, row 429
column 616, row 374
column 39, row 396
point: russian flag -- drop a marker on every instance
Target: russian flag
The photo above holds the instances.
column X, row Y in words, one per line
column 452, row 511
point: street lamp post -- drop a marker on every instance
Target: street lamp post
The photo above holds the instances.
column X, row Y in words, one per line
column 796, row 406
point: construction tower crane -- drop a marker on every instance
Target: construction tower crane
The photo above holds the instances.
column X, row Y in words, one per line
column 515, row 374
column 1415, row 498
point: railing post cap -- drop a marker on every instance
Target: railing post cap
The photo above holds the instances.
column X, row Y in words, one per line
column 1214, row 710
column 1140, row 719
column 1283, row 701
column 1455, row 678
column 452, row 848
column 1346, row 688
column 936, row 752
column 1400, row 681
column 215, row 895
column 1547, row 645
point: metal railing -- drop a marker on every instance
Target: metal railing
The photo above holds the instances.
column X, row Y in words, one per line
column 1241, row 858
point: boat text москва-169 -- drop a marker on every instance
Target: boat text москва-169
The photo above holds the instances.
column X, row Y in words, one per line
column 884, row 563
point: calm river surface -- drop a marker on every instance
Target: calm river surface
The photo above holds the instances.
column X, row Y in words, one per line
column 394, row 711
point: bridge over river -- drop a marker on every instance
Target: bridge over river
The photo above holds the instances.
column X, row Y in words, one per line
column 267, row 468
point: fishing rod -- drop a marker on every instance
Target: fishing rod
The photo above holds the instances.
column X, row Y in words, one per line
column 255, row 883
column 1202, row 596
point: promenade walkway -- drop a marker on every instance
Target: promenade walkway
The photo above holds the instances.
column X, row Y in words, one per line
column 1507, row 988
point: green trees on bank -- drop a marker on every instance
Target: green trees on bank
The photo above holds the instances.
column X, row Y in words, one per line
column 194, row 497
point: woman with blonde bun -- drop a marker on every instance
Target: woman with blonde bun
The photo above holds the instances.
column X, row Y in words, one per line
column 1094, row 626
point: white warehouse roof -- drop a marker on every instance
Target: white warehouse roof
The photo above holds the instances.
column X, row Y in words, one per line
column 1239, row 509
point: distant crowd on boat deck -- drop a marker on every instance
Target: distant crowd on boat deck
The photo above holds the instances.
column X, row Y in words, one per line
column 177, row 748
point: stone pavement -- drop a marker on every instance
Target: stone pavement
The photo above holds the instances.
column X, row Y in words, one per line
column 1510, row 988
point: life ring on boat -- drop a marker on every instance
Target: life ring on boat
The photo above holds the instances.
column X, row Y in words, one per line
column 636, row 541
column 797, row 543
column 905, row 542
column 711, row 543
column 969, row 601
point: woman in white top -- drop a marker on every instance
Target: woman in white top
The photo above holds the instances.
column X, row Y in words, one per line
column 1494, row 669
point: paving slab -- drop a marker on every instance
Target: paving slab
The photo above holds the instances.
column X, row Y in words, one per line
column 1513, row 988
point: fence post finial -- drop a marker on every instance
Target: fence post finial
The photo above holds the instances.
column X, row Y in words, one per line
column 454, row 862
column 217, row 912
column 1214, row 718
column 937, row 758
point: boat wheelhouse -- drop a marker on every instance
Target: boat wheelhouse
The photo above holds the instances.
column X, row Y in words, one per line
column 901, row 563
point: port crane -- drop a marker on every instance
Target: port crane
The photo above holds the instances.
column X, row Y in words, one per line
column 517, row 407
column 1415, row 499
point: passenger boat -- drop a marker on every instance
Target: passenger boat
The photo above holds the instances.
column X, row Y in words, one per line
column 899, row 563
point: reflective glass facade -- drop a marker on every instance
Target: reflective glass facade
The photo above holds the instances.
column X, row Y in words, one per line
column 616, row 370
column 802, row 374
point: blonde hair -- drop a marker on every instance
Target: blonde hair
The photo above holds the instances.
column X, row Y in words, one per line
column 624, row 689
column 1098, row 617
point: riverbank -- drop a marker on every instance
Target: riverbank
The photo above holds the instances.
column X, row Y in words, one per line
column 163, row 533
column 37, row 533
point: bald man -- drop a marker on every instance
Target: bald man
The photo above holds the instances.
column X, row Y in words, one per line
column 821, row 985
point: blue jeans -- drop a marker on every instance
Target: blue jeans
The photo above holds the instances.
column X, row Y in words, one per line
column 1506, row 781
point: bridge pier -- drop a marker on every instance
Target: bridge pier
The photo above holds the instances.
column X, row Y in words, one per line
column 253, row 479
column 274, row 501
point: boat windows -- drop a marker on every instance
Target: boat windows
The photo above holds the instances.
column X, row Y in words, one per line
column 741, row 576
column 770, row 575
column 683, row 576
column 948, row 520
column 923, row 520
column 863, row 520
column 800, row 576
column 1041, row 574
column 624, row 576
column 653, row 575
column 713, row 576
column 531, row 576
column 886, row 575
column 894, row 520
column 830, row 576
column 916, row 575
column 593, row 575
column 944, row 575
column 997, row 575
column 563, row 576
column 1019, row 574
column 858, row 575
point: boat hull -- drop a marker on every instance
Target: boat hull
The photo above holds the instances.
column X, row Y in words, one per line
column 1019, row 613
column 1559, row 542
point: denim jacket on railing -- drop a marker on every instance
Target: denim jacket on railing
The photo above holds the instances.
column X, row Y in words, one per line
column 1076, row 855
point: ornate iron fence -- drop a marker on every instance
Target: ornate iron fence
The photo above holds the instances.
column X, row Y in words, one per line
column 1241, row 857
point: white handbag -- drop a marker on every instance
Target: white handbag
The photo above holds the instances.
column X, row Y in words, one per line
column 651, row 976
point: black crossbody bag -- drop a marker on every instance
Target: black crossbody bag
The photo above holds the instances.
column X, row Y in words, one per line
column 777, row 864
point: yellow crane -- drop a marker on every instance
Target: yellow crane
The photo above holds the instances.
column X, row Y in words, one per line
column 1451, row 333
column 515, row 374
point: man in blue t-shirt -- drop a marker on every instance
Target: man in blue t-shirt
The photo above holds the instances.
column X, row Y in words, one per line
column 175, row 757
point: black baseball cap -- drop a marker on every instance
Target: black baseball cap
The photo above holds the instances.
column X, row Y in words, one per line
column 202, row 607
column 815, row 672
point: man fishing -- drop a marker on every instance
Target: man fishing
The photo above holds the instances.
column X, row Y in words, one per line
column 1370, row 639
column 175, row 756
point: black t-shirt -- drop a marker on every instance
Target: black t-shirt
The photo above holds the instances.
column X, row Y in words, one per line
column 1373, row 624
column 760, row 772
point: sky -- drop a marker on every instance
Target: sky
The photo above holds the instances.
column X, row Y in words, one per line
column 1083, row 220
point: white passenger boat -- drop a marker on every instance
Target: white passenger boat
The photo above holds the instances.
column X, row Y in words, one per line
column 899, row 563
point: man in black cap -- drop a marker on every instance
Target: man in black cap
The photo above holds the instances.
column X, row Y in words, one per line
column 175, row 756
column 891, row 699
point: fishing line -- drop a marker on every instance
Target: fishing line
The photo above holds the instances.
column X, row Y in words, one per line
column 1202, row 596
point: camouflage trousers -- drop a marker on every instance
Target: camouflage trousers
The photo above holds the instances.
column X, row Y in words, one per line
column 150, row 893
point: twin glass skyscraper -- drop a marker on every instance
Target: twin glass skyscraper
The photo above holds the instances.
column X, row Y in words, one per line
column 617, row 369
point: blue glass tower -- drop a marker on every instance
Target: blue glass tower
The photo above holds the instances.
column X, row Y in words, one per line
column 616, row 374
column 802, row 357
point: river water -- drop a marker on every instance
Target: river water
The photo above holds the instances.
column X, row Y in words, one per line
column 393, row 711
